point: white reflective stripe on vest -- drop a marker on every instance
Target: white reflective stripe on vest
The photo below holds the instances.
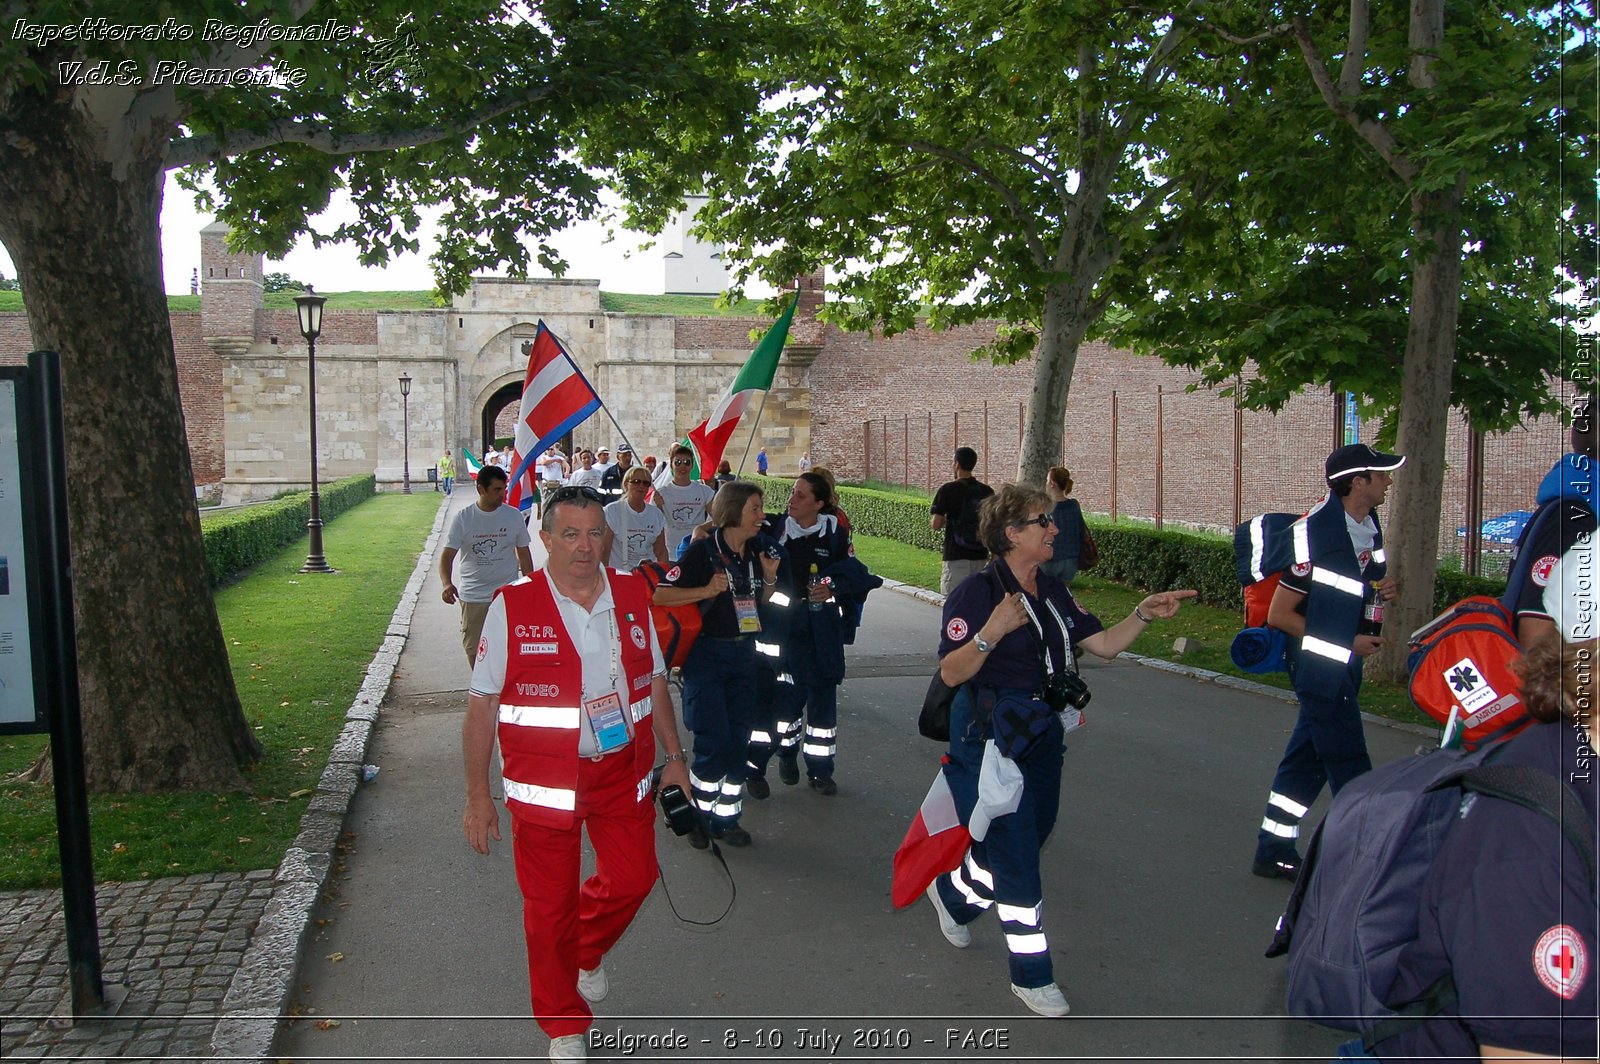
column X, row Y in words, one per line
column 1283, row 831
column 565, row 717
column 1312, row 645
column 640, row 709
column 1287, row 804
column 1021, row 914
column 1027, row 943
column 1302, row 542
column 1332, row 579
column 1379, row 557
column 771, row 650
column 1258, row 546
column 779, row 599
column 533, row 794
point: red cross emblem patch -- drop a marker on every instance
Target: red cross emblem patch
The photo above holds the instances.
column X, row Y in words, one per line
column 1540, row 570
column 956, row 630
column 1560, row 961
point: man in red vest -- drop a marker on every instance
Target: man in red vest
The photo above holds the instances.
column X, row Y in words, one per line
column 570, row 680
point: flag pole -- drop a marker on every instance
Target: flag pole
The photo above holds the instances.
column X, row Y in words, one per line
column 753, row 426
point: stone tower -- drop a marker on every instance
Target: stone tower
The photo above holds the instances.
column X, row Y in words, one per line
column 692, row 266
column 230, row 291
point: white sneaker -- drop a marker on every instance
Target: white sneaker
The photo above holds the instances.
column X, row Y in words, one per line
column 958, row 935
column 592, row 984
column 1046, row 1000
column 569, row 1047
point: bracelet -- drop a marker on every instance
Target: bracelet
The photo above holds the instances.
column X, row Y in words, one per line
column 770, row 583
column 1137, row 612
column 674, row 757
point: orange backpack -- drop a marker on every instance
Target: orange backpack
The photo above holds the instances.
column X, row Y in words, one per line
column 677, row 627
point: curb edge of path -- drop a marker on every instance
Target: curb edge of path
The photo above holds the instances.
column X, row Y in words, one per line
column 259, row 993
column 1278, row 694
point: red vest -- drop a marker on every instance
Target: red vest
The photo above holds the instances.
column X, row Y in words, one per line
column 541, row 703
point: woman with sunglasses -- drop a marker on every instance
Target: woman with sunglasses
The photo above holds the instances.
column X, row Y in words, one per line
column 732, row 573
column 635, row 528
column 1008, row 632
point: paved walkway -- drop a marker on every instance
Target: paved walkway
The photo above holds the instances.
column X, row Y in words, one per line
column 205, row 961
column 411, row 950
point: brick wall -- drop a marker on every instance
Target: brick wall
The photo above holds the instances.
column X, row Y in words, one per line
column 199, row 385
column 338, row 327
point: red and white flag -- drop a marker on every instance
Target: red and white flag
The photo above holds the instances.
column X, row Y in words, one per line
column 711, row 437
column 935, row 843
column 556, row 398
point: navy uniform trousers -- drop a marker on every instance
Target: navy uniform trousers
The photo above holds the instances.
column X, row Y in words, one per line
column 1002, row 871
column 1327, row 746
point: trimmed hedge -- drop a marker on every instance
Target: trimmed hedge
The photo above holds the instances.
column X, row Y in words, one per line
column 237, row 539
column 1136, row 555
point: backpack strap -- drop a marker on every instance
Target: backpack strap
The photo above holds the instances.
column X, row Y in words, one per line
column 1532, row 789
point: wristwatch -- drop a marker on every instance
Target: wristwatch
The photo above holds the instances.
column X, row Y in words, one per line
column 984, row 646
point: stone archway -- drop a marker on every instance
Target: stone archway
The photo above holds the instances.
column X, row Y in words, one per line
column 506, row 395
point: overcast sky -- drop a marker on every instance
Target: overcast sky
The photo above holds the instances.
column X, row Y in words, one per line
column 619, row 266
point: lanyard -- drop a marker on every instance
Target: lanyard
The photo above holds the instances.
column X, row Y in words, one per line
column 722, row 553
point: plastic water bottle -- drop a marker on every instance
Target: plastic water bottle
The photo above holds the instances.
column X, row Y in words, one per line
column 812, row 584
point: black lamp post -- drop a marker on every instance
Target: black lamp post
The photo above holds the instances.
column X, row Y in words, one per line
column 405, row 430
column 309, row 307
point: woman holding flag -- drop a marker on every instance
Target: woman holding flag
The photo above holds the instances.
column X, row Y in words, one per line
column 1007, row 645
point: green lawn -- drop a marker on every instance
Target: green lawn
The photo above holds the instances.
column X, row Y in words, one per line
column 300, row 644
column 1211, row 628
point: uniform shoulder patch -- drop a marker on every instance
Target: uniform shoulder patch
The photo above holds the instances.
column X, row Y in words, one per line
column 672, row 575
column 1301, row 568
column 956, row 630
column 1561, row 961
column 1540, row 570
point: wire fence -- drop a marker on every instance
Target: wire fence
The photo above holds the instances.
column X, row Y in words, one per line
column 1194, row 459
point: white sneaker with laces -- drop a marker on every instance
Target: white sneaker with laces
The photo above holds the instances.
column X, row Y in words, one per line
column 1046, row 1000
column 958, row 935
column 569, row 1047
column 592, row 984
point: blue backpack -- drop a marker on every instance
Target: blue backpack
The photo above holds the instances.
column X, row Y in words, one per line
column 1354, row 906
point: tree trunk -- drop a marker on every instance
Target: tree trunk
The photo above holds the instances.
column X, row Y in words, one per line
column 80, row 206
column 1060, row 336
column 1411, row 537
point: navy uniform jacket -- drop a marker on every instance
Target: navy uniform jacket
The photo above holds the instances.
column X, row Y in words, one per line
column 1507, row 910
column 1326, row 569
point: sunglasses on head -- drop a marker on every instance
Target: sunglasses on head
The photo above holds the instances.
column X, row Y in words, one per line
column 568, row 492
column 1043, row 521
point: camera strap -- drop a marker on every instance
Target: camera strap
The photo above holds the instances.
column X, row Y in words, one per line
column 733, row 887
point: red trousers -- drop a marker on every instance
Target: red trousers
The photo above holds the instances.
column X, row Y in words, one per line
column 570, row 927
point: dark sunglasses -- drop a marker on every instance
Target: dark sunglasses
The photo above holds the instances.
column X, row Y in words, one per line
column 569, row 492
column 1043, row 521
column 683, row 461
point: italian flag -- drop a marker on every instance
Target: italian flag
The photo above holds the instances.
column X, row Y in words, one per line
column 711, row 438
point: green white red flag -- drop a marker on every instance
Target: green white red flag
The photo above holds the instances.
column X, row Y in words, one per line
column 711, row 437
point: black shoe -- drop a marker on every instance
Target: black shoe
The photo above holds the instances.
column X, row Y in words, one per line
column 788, row 772
column 1279, row 868
column 756, row 787
column 826, row 786
column 734, row 836
column 698, row 838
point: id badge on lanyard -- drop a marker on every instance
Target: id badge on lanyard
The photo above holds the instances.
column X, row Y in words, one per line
column 608, row 721
column 744, row 606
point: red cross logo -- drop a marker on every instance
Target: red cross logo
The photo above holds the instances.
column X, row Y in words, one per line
column 1561, row 961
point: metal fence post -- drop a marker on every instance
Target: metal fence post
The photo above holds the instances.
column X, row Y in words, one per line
column 1472, row 550
column 1113, row 454
column 1160, row 471
column 1238, row 461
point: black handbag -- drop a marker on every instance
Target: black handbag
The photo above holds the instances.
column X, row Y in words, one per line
column 934, row 720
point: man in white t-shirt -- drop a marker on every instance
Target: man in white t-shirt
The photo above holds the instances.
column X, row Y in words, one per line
column 634, row 527
column 686, row 503
column 492, row 539
column 586, row 475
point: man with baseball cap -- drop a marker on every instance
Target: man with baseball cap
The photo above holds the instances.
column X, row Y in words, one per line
column 1563, row 519
column 1338, row 569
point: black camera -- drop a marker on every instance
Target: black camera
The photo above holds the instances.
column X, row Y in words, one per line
column 675, row 807
column 1066, row 689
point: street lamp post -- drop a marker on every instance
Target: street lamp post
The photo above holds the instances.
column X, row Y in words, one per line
column 309, row 307
column 405, row 431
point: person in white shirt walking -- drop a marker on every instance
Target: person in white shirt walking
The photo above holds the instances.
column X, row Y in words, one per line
column 493, row 540
column 634, row 528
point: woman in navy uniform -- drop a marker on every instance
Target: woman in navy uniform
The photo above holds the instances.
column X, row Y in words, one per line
column 733, row 571
column 1507, row 909
column 1004, row 628
column 807, row 681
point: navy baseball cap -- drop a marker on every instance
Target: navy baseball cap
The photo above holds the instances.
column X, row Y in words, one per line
column 1360, row 458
